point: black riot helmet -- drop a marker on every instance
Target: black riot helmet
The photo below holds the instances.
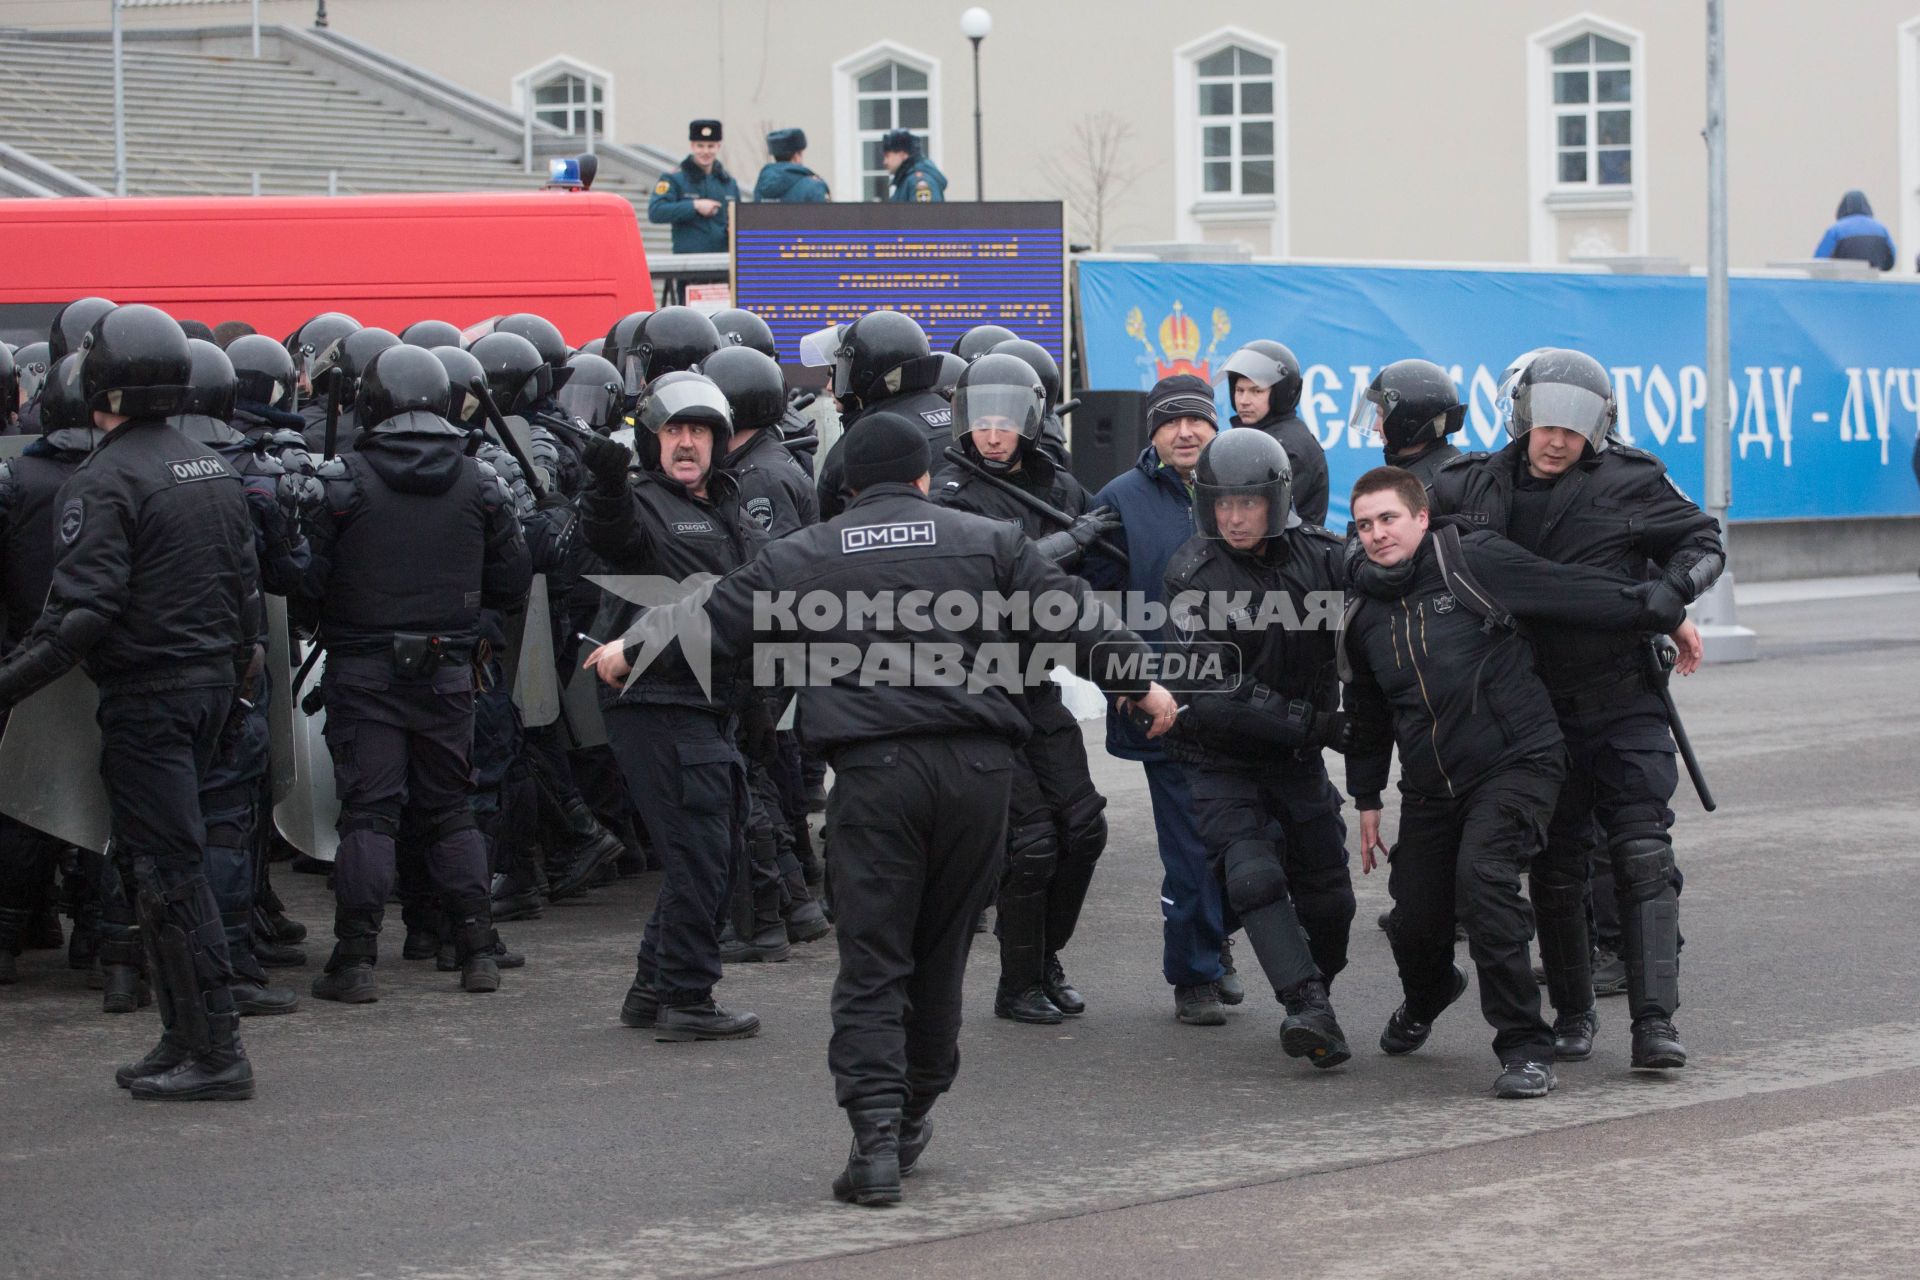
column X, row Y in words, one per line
column 464, row 378
column 357, row 351
column 752, row 383
column 135, row 362
column 516, row 375
column 981, row 339
column 62, row 408
column 400, row 379
column 951, row 367
column 594, row 392
column 431, row 333
column 592, row 347
column 262, row 370
column 745, row 329
column 1242, row 463
column 1001, row 391
column 680, row 397
column 861, row 354
column 670, row 340
column 315, row 345
column 211, row 384
column 1040, row 360
column 1410, row 402
column 30, row 364
column 620, row 339
column 1268, row 364
column 1563, row 388
column 9, row 385
column 542, row 333
column 71, row 323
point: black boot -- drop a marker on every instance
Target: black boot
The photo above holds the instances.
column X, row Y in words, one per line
column 253, row 994
column 475, row 944
column 1232, row 990
column 916, row 1130
column 269, row 951
column 277, row 924
column 187, row 951
column 805, row 920
column 676, row 1024
column 1573, row 1036
column 1405, row 1033
column 121, row 964
column 593, row 848
column 348, row 977
column 1656, row 1045
column 641, row 1008
column 1310, row 1030
column 769, row 941
column 1059, row 990
column 872, row 1175
column 514, row 898
column 1030, row 1005
column 13, row 921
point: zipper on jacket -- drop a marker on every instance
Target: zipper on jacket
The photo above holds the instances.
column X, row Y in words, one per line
column 1433, row 718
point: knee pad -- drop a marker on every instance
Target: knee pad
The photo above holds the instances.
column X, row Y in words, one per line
column 1085, row 823
column 1556, row 896
column 436, row 827
column 384, row 820
column 1032, row 852
column 1643, row 866
column 1254, row 876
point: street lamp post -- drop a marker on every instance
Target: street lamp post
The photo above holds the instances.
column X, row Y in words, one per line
column 975, row 23
column 119, row 108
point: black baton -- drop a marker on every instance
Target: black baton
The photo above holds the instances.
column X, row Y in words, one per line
column 1663, row 654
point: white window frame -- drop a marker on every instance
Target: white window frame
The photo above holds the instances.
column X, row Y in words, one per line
column 527, row 81
column 1193, row 208
column 1909, row 50
column 846, row 109
column 1547, row 199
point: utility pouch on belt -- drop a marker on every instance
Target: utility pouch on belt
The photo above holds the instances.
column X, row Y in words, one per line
column 415, row 656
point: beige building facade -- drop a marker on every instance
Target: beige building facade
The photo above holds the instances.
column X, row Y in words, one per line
column 1487, row 131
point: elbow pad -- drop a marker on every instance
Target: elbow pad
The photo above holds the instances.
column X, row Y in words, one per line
column 1692, row 580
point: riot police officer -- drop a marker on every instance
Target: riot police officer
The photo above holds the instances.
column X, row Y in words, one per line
column 1053, row 432
column 232, row 797
column 30, row 376
column 9, row 390
column 1250, row 581
column 677, row 514
column 648, row 344
column 693, row 198
column 307, row 345
column 786, row 180
column 916, row 179
column 880, row 362
column 151, row 590
column 1565, row 490
column 28, row 485
column 1413, row 406
column 980, row 339
column 399, row 635
column 432, row 333
column 1056, row 825
column 909, row 755
column 1264, row 380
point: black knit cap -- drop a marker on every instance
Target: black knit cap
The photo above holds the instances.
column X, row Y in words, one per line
column 884, row 448
column 1180, row 396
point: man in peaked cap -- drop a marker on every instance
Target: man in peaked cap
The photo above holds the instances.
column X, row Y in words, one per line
column 693, row 198
column 787, row 180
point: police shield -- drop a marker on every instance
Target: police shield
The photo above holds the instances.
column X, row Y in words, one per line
column 580, row 711
column 530, row 662
column 50, row 764
column 307, row 817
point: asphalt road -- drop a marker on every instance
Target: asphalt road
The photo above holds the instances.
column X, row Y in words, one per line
column 526, row 1134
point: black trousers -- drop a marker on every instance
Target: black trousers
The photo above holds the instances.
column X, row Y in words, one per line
column 689, row 783
column 1463, row 859
column 403, row 747
column 918, row 832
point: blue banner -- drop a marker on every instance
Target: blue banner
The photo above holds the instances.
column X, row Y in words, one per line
column 1825, row 375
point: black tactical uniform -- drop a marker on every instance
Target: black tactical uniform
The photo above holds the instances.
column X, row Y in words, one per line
column 151, row 592
column 675, row 745
column 881, row 363
column 1615, row 510
column 1439, row 666
column 1273, row 366
column 1251, row 738
column 28, row 485
column 775, row 492
column 1056, row 825
column 400, row 633
column 909, row 880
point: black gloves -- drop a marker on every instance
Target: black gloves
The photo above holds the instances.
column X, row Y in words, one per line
column 607, row 460
column 1066, row 546
column 1662, row 608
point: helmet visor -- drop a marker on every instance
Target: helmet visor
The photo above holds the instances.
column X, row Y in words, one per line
column 591, row 402
column 315, row 361
column 998, row 407
column 694, row 400
column 1561, row 404
column 1503, row 394
column 818, row 349
column 1235, row 512
column 1367, row 418
column 1261, row 370
column 32, row 376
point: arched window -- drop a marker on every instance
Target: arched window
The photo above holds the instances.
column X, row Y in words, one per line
column 1587, row 130
column 875, row 91
column 569, row 95
column 1230, row 140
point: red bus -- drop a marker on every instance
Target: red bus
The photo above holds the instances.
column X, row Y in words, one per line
column 574, row 257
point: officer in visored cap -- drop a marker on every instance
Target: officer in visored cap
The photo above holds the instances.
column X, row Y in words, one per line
column 693, row 198
column 786, row 180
